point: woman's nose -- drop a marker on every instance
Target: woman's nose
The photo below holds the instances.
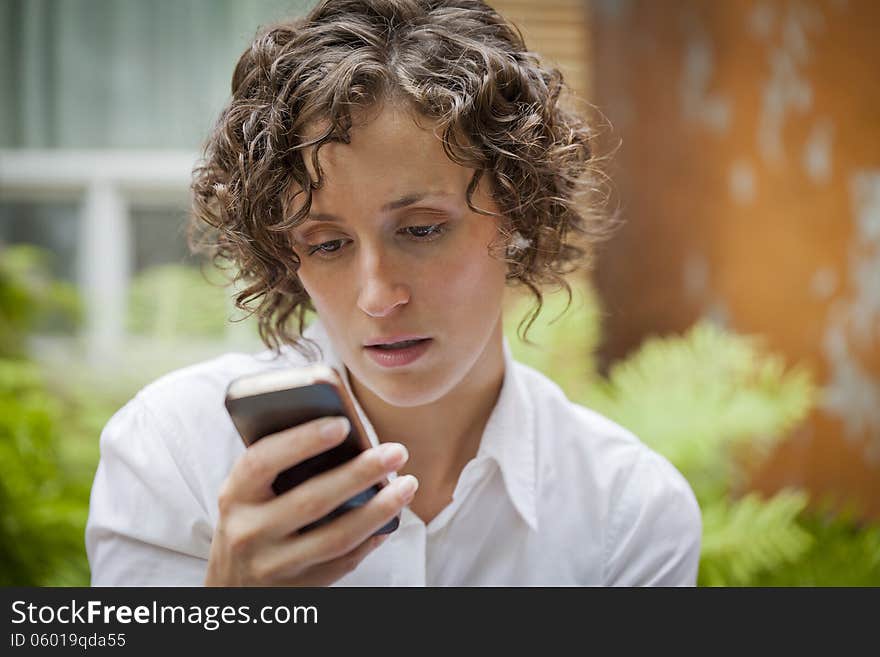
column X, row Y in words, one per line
column 380, row 290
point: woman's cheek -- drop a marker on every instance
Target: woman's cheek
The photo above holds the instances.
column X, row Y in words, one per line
column 315, row 290
column 476, row 276
column 445, row 280
column 317, row 280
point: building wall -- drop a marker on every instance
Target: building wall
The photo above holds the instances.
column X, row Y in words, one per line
column 559, row 31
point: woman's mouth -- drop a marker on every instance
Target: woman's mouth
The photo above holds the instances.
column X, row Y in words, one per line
column 399, row 353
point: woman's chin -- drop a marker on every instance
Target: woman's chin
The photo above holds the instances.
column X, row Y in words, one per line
column 404, row 392
column 407, row 396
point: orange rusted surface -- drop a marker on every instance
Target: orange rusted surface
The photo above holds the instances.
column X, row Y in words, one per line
column 749, row 178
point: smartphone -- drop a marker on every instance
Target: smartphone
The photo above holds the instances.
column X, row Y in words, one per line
column 268, row 402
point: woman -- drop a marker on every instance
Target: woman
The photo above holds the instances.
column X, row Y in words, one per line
column 393, row 166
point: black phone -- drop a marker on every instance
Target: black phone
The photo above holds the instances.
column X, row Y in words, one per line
column 268, row 402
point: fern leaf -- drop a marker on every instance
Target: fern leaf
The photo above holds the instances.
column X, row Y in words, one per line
column 693, row 397
column 844, row 552
column 750, row 536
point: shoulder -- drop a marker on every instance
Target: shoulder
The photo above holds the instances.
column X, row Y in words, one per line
column 192, row 398
column 191, row 385
column 179, row 423
column 164, row 455
column 190, row 401
column 654, row 529
column 628, row 493
column 577, row 438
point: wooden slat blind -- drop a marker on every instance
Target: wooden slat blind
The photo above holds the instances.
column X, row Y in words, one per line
column 558, row 30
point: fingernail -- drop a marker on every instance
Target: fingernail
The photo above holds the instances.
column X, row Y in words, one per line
column 407, row 485
column 392, row 455
column 335, row 428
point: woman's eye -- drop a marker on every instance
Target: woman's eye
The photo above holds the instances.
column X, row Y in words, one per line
column 326, row 247
column 331, row 248
column 424, row 232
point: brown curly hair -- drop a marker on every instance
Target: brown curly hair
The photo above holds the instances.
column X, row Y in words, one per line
column 493, row 104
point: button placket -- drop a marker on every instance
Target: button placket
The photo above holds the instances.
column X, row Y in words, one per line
column 408, row 568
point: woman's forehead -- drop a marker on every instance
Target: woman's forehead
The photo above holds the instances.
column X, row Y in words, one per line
column 389, row 148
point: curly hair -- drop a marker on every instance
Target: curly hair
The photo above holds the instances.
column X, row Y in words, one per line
column 493, row 104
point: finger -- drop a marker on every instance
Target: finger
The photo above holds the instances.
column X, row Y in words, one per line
column 252, row 475
column 321, row 494
column 331, row 571
column 341, row 535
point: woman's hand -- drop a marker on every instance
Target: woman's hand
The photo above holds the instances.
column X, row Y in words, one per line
column 255, row 542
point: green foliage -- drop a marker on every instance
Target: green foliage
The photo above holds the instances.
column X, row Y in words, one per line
column 749, row 536
column 698, row 397
column 844, row 552
column 549, row 346
column 170, row 301
column 50, row 423
column 31, row 300
column 709, row 401
column 43, row 502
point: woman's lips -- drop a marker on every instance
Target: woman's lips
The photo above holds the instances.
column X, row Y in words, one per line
column 387, row 357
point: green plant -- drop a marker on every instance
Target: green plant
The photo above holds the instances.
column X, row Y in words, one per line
column 844, row 552
column 711, row 401
column 563, row 339
column 170, row 301
column 31, row 300
column 43, row 503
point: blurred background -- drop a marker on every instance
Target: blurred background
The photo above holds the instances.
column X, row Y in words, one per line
column 732, row 321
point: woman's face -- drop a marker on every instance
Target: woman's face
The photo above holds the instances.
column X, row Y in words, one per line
column 392, row 252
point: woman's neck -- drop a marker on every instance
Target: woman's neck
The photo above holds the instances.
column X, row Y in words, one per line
column 442, row 436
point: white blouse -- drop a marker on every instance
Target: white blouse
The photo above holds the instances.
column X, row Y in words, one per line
column 557, row 494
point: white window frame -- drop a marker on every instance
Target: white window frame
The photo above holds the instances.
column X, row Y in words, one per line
column 104, row 184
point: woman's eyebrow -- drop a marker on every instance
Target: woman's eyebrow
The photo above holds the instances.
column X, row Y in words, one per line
column 396, row 204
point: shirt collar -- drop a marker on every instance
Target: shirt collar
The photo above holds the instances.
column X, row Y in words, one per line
column 509, row 440
column 509, row 435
